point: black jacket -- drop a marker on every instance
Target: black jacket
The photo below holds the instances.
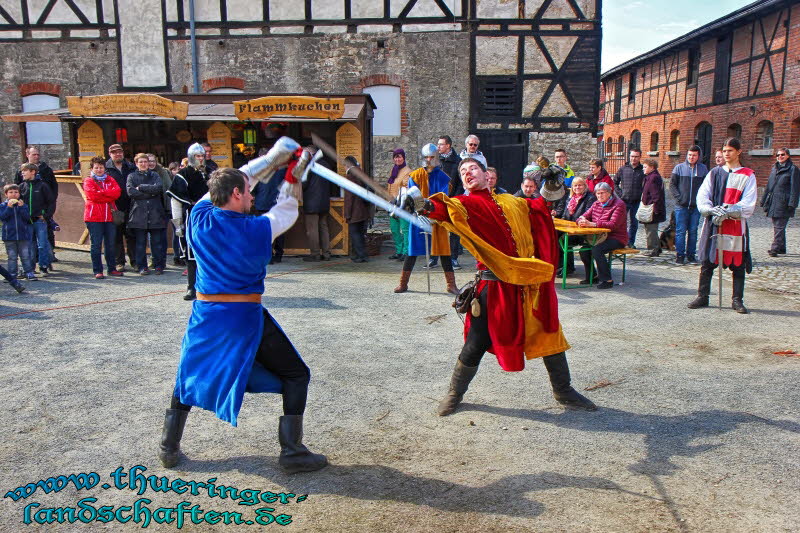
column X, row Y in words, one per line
column 124, row 201
column 450, row 167
column 317, row 192
column 783, row 191
column 47, row 175
column 147, row 207
column 583, row 206
column 628, row 181
column 38, row 198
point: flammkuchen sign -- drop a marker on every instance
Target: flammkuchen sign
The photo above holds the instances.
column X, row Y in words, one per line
column 146, row 104
column 289, row 106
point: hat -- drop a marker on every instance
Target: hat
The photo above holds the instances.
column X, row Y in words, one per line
column 399, row 151
column 115, row 147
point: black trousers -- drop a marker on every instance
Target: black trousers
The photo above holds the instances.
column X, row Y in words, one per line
column 598, row 253
column 125, row 238
column 779, row 231
column 478, row 340
column 358, row 239
column 276, row 354
column 707, row 273
column 411, row 260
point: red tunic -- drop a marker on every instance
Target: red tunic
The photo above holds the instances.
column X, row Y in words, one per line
column 504, row 300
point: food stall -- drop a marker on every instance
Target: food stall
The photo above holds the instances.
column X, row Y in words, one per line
column 236, row 126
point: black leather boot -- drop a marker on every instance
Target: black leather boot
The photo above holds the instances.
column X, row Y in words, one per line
column 703, row 290
column 558, row 369
column 190, row 295
column 295, row 457
column 169, row 451
column 737, row 303
column 459, row 383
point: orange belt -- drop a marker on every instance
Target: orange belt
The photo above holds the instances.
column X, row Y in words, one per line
column 230, row 298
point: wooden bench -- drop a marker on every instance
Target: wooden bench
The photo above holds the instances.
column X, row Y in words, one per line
column 622, row 254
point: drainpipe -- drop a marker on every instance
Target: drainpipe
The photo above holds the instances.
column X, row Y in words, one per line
column 193, row 40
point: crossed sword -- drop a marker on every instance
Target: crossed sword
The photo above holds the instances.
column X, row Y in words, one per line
column 263, row 168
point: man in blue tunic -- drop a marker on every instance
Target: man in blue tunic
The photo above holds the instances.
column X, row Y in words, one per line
column 232, row 345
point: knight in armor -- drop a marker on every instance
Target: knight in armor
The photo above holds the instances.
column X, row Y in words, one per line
column 425, row 181
column 188, row 187
column 514, row 314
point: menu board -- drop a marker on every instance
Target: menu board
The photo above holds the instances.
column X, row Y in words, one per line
column 90, row 144
column 219, row 137
column 348, row 142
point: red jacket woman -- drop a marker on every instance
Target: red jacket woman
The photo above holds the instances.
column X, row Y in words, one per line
column 101, row 193
column 598, row 175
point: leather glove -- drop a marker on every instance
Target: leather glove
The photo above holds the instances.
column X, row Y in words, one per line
column 178, row 228
column 427, row 208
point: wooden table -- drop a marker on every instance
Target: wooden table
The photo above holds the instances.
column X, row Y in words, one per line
column 571, row 229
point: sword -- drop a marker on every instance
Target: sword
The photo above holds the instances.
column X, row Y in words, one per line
column 719, row 266
column 263, row 168
column 428, row 260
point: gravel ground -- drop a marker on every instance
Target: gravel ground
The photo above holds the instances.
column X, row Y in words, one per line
column 698, row 428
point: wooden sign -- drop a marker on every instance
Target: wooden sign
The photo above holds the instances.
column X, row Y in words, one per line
column 219, row 137
column 90, row 144
column 348, row 142
column 146, row 104
column 289, row 106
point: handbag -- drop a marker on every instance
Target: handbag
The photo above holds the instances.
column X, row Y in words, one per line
column 466, row 299
column 645, row 213
column 117, row 216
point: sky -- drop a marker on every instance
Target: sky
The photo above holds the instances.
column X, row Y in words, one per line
column 633, row 27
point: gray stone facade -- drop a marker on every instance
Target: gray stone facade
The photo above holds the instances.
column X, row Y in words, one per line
column 580, row 147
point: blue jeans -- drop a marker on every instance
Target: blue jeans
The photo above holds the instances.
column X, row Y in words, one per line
column 158, row 249
column 102, row 234
column 39, row 236
column 633, row 225
column 21, row 250
column 686, row 219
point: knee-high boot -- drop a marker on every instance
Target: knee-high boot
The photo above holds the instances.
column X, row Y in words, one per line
column 169, row 451
column 295, row 457
column 404, row 277
column 703, row 289
column 459, row 382
column 558, row 369
column 737, row 302
column 191, row 278
column 451, row 282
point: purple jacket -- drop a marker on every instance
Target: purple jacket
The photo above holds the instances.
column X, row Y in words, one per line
column 653, row 193
column 611, row 216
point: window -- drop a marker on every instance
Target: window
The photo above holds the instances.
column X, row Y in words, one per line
column 693, row 66
column 42, row 132
column 621, row 145
column 764, row 135
column 794, row 134
column 617, row 99
column 610, row 146
column 497, row 97
column 632, row 86
column 636, row 139
column 654, row 141
column 387, row 112
column 674, row 140
column 735, row 130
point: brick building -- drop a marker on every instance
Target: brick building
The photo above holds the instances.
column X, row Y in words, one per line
column 522, row 74
column 736, row 76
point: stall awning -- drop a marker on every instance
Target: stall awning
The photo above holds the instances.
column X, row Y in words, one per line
column 199, row 112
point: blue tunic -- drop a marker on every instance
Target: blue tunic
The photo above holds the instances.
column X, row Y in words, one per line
column 218, row 363
column 438, row 181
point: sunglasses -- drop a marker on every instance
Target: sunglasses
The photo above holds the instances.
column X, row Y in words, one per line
column 781, row 155
column 472, row 144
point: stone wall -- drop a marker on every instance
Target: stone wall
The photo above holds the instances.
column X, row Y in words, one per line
column 76, row 66
column 434, row 93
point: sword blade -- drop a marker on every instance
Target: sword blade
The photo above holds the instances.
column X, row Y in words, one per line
column 360, row 174
column 428, row 261
column 369, row 196
column 719, row 266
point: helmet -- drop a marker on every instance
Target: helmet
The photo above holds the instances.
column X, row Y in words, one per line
column 430, row 150
column 195, row 150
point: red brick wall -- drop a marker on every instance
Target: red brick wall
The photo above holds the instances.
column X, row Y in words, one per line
column 782, row 110
column 39, row 87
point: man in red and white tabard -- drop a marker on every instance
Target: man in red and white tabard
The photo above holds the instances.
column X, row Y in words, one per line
column 514, row 242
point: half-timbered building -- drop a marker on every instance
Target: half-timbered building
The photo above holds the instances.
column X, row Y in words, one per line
column 736, row 76
column 522, row 74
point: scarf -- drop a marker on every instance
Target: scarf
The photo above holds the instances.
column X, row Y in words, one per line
column 99, row 178
column 573, row 203
column 396, row 169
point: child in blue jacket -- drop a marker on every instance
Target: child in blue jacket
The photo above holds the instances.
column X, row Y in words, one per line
column 17, row 230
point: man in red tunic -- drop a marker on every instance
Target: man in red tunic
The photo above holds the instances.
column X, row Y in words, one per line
column 514, row 242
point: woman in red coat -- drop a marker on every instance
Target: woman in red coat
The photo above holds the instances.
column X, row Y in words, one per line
column 598, row 175
column 101, row 192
